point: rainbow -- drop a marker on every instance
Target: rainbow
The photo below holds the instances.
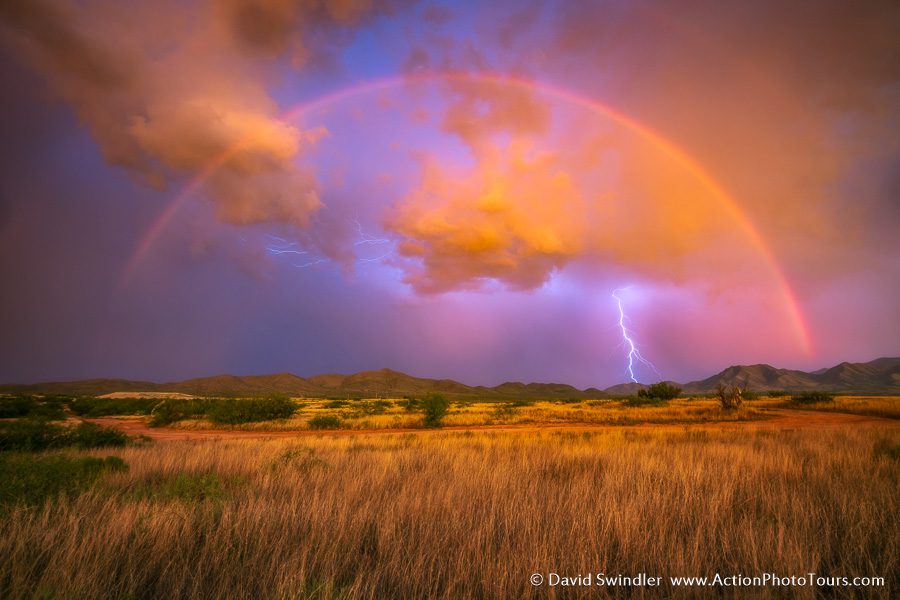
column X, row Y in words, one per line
column 728, row 203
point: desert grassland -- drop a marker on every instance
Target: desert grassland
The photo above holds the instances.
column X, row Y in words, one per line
column 467, row 515
column 887, row 407
column 391, row 414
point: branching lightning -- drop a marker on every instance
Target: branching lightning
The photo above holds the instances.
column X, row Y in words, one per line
column 282, row 246
column 634, row 355
column 365, row 239
column 278, row 246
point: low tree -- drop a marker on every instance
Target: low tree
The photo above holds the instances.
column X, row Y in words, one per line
column 434, row 407
column 660, row 391
column 730, row 399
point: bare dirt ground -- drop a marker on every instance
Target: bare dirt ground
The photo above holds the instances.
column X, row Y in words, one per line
column 780, row 419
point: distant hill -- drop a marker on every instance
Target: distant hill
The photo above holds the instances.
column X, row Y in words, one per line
column 880, row 376
column 755, row 377
column 624, row 389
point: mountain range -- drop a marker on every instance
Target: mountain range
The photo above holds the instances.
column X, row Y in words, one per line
column 880, row 376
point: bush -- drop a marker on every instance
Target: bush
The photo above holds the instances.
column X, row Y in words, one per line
column 811, row 397
column 730, row 399
column 89, row 435
column 33, row 435
column 224, row 411
column 777, row 393
column 434, row 407
column 632, row 401
column 569, row 400
column 103, row 407
column 31, row 480
column 234, row 412
column 505, row 410
column 660, row 392
column 30, row 435
column 325, row 422
column 171, row 410
column 336, row 404
column 375, row 407
column 16, row 407
column 410, row 404
column 30, row 406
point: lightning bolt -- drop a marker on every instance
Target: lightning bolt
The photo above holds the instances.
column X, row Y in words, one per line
column 278, row 246
column 364, row 238
column 282, row 246
column 634, row 355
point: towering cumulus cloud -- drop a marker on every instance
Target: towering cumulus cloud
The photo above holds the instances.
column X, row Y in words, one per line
column 168, row 90
column 537, row 195
column 515, row 219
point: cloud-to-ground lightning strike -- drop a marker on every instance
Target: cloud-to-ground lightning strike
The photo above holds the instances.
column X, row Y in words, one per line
column 627, row 339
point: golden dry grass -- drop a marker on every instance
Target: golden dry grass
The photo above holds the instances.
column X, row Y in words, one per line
column 463, row 515
column 887, row 407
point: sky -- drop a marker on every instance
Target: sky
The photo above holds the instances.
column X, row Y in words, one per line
column 449, row 189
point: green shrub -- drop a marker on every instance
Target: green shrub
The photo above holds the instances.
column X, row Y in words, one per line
column 31, row 406
column 660, row 392
column 325, row 422
column 777, row 393
column 410, row 404
column 30, row 479
column 336, row 404
column 569, row 400
column 31, row 435
column 103, row 407
column 224, row 411
column 434, row 407
column 234, row 412
column 90, row 435
column 811, row 397
column 172, row 410
column 638, row 400
column 505, row 410
column 16, row 407
column 375, row 407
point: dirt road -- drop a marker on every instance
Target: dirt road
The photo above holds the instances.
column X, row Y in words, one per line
column 782, row 419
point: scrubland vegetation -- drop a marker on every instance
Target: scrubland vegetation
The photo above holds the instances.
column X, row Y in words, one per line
column 887, row 407
column 455, row 515
column 86, row 511
column 659, row 404
column 659, row 392
column 434, row 411
column 38, row 434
